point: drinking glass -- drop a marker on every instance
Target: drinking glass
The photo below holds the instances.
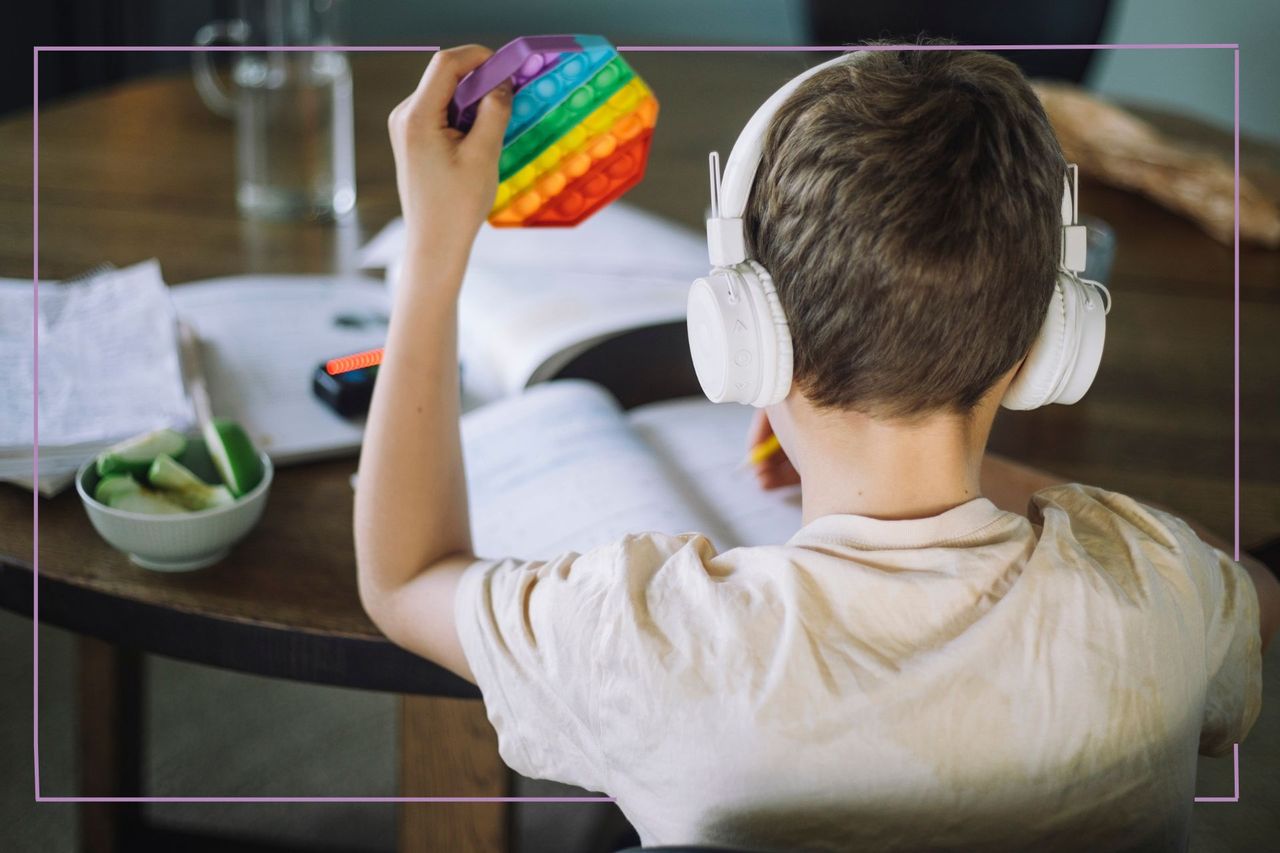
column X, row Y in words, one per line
column 295, row 154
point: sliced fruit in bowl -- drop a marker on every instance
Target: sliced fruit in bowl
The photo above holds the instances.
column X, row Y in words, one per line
column 176, row 511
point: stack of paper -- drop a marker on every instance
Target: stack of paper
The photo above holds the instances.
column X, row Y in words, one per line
column 108, row 369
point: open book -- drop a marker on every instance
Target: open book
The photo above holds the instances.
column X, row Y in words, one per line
column 563, row 468
column 534, row 298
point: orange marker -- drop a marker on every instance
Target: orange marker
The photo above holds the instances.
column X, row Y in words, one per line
column 356, row 361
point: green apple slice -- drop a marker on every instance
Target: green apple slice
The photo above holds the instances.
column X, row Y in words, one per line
column 181, row 486
column 135, row 455
column 233, row 455
column 121, row 491
column 115, row 486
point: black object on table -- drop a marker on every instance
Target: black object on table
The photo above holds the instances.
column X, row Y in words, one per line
column 348, row 392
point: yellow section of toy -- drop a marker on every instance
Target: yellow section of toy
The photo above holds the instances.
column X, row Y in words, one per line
column 625, row 114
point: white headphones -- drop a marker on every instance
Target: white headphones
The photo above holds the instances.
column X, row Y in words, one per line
column 738, row 333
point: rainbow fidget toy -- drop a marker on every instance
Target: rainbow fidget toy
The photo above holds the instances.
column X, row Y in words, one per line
column 578, row 138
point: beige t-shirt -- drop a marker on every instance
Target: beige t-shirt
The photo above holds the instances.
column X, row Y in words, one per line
column 973, row 680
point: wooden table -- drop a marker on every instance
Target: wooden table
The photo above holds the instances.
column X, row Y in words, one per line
column 144, row 170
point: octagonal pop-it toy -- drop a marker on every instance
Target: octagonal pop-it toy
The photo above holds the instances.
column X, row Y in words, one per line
column 578, row 138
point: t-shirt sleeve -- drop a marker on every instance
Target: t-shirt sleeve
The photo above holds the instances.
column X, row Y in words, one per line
column 1222, row 587
column 531, row 631
column 1233, row 638
column 1233, row 650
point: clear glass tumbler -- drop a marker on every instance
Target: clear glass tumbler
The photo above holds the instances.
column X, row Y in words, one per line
column 295, row 153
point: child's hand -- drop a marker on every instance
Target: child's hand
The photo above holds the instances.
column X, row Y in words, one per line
column 447, row 179
column 776, row 470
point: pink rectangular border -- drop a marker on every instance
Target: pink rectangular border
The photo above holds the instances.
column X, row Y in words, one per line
column 35, row 500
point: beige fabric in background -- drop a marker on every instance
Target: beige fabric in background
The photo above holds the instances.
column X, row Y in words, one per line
column 971, row 679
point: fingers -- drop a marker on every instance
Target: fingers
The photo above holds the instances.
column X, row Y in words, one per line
column 440, row 80
column 485, row 135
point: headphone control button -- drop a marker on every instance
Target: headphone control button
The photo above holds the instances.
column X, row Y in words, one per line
column 742, row 358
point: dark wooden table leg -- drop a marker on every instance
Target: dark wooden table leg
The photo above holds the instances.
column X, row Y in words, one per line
column 448, row 749
column 110, row 728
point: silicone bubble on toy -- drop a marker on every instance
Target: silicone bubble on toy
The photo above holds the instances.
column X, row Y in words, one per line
column 581, row 124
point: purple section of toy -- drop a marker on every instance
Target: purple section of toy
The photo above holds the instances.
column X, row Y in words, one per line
column 519, row 60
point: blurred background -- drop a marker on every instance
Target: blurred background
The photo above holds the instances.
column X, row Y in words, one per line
column 215, row 730
column 1196, row 81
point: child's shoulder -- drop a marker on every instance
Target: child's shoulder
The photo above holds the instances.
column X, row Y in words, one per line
column 1125, row 537
column 1091, row 510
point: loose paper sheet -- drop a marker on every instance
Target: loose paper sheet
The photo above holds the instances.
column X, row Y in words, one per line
column 108, row 361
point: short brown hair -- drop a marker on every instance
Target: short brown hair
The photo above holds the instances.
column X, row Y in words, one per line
column 907, row 205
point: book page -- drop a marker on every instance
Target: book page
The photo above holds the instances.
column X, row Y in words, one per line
column 617, row 239
column 520, row 327
column 703, row 445
column 534, row 298
column 558, row 469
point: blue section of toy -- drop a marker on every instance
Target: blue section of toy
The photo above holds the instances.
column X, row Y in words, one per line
column 545, row 91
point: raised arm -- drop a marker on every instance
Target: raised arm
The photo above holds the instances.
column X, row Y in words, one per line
column 412, row 531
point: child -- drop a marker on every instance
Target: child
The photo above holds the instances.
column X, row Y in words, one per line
column 920, row 666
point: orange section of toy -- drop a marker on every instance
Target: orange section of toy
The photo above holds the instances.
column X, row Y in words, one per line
column 601, row 184
column 592, row 157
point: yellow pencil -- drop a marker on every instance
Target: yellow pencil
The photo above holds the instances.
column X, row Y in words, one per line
column 763, row 450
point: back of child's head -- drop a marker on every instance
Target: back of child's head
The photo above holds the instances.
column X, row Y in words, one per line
column 907, row 205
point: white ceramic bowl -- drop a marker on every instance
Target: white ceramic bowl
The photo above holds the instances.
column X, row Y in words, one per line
column 179, row 542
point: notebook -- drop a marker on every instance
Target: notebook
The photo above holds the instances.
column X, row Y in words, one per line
column 261, row 338
column 562, row 468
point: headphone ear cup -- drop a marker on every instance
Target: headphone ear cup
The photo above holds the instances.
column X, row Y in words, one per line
column 776, row 358
column 738, row 336
column 1033, row 384
column 1064, row 358
column 1090, row 335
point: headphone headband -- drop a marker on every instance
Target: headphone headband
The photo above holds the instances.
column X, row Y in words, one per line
column 726, row 237
column 726, row 232
column 738, row 332
column 740, row 168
